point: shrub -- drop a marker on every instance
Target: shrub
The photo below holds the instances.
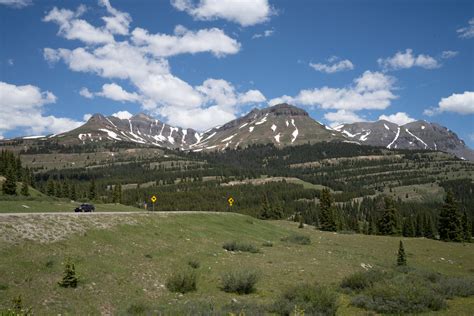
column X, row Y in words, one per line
column 297, row 239
column 362, row 280
column 239, row 281
column 194, row 263
column 137, row 309
column 450, row 287
column 70, row 278
column 182, row 281
column 400, row 295
column 307, row 299
column 267, row 244
column 240, row 246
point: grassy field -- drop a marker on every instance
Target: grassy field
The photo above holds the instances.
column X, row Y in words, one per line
column 128, row 263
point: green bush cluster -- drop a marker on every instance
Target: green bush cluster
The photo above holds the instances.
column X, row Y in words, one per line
column 239, row 281
column 240, row 246
column 182, row 281
column 297, row 239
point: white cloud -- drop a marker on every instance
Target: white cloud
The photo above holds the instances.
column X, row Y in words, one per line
column 73, row 28
column 467, row 31
column 183, row 41
column 10, row 62
column 86, row 93
column 462, row 103
column 282, row 99
column 342, row 116
column 86, row 117
column 449, row 54
column 140, row 60
column 22, row 107
column 245, row 13
column 119, row 22
column 252, row 96
column 123, row 115
column 336, row 65
column 400, row 118
column 266, row 33
column 405, row 60
column 18, row 4
column 117, row 93
column 372, row 90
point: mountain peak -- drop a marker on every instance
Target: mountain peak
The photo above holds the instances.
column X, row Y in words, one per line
column 285, row 109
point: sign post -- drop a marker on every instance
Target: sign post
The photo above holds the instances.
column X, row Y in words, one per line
column 153, row 200
column 231, row 201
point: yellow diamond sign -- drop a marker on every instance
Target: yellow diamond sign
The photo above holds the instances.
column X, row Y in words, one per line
column 153, row 199
column 231, row 201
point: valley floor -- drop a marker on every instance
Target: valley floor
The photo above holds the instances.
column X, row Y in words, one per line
column 124, row 263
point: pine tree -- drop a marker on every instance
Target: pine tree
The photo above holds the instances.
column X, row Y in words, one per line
column 50, row 187
column 466, row 227
column 24, row 186
column 73, row 193
column 401, row 258
column 9, row 185
column 388, row 223
column 450, row 220
column 419, row 226
column 408, row 227
column 69, row 278
column 92, row 190
column 326, row 221
column 65, row 190
column 429, row 227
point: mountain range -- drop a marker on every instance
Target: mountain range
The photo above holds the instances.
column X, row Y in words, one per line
column 282, row 125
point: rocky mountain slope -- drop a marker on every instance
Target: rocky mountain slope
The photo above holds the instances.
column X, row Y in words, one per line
column 414, row 135
column 282, row 125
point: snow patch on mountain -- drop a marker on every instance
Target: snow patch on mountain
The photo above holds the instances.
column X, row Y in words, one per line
column 228, row 138
column 245, row 124
column 395, row 139
column 419, row 139
column 274, row 127
column 277, row 138
column 251, row 128
column 295, row 132
column 110, row 133
column 263, row 120
column 364, row 137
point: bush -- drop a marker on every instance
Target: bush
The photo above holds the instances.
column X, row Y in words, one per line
column 297, row 239
column 267, row 244
column 194, row 263
column 182, row 281
column 240, row 246
column 362, row 280
column 450, row 287
column 137, row 309
column 307, row 299
column 400, row 295
column 240, row 282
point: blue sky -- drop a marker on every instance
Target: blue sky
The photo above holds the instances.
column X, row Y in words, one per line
column 201, row 63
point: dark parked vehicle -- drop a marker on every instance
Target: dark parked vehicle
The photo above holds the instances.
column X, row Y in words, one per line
column 85, row 208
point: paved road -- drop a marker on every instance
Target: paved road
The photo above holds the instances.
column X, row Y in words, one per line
column 108, row 213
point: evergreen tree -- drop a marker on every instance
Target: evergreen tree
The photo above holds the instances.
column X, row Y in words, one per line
column 401, row 258
column 301, row 225
column 270, row 211
column 419, row 225
column 450, row 220
column 429, row 227
column 69, row 278
column 388, row 223
column 9, row 185
column 326, row 219
column 65, row 190
column 408, row 227
column 50, row 187
column 73, row 193
column 92, row 190
column 24, row 186
column 466, row 227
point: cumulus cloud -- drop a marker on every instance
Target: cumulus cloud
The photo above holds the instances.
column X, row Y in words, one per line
column 86, row 93
column 372, row 90
column 141, row 61
column 86, row 117
column 266, row 33
column 447, row 54
column 123, row 115
column 400, row 118
column 406, row 60
column 245, row 13
column 467, row 31
column 341, row 117
column 22, row 107
column 73, row 28
column 461, row 103
column 334, row 65
column 183, row 41
column 118, row 22
column 117, row 93
column 18, row 4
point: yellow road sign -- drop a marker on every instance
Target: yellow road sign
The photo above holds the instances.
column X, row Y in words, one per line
column 231, row 201
column 153, row 199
